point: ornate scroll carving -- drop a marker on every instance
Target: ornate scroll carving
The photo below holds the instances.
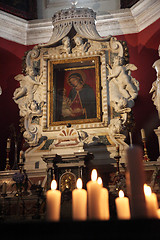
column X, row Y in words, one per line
column 30, row 99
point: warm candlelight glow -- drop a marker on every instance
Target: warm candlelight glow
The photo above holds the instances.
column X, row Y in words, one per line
column 147, row 190
column 121, row 194
column 122, row 206
column 94, row 175
column 79, row 202
column 79, row 183
column 99, row 180
column 151, row 202
column 53, row 185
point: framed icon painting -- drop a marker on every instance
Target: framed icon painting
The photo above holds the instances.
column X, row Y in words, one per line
column 74, row 91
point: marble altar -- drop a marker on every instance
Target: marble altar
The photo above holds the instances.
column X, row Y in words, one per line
column 55, row 122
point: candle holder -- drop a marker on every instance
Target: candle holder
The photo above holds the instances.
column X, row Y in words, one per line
column 117, row 157
column 7, row 158
column 119, row 179
column 20, row 166
column 145, row 156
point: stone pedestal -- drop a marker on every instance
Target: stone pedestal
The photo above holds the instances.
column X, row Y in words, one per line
column 66, row 168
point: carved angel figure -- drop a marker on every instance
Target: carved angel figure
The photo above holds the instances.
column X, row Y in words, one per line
column 123, row 88
column 29, row 99
column 27, row 85
column 80, row 45
column 115, row 126
column 66, row 47
column 156, row 85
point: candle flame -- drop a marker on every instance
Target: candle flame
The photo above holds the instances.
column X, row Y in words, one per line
column 121, row 194
column 79, row 183
column 99, row 180
column 53, row 185
column 94, row 175
column 147, row 190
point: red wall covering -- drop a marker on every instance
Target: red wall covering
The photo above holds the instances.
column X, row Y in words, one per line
column 143, row 52
column 11, row 54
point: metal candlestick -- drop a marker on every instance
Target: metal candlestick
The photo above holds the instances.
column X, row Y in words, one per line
column 145, row 156
column 8, row 151
column 117, row 158
column 20, row 166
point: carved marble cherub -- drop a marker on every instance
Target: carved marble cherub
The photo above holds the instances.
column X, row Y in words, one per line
column 80, row 45
column 124, row 88
column 27, row 85
column 115, row 126
column 156, row 84
column 66, row 46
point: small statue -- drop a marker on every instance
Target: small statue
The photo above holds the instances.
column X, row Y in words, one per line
column 27, row 85
column 66, row 47
column 80, row 45
column 156, row 85
column 115, row 126
column 123, row 87
column 29, row 98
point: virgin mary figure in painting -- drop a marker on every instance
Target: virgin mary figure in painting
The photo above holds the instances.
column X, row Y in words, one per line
column 81, row 99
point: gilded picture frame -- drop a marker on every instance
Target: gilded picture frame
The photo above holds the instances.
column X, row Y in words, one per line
column 74, row 91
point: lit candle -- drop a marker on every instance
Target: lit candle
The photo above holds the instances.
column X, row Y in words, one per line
column 104, row 201
column 79, row 202
column 151, row 202
column 53, row 202
column 136, row 181
column 93, row 191
column 122, row 206
column 143, row 135
column 158, row 213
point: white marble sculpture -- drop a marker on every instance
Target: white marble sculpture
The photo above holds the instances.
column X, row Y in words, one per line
column 29, row 99
column 123, row 87
column 80, row 45
column 156, row 93
column 156, row 85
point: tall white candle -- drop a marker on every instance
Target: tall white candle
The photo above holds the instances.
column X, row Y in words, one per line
column 134, row 157
column 79, row 202
column 122, row 206
column 53, row 202
column 158, row 213
column 104, row 202
column 93, row 192
column 151, row 202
